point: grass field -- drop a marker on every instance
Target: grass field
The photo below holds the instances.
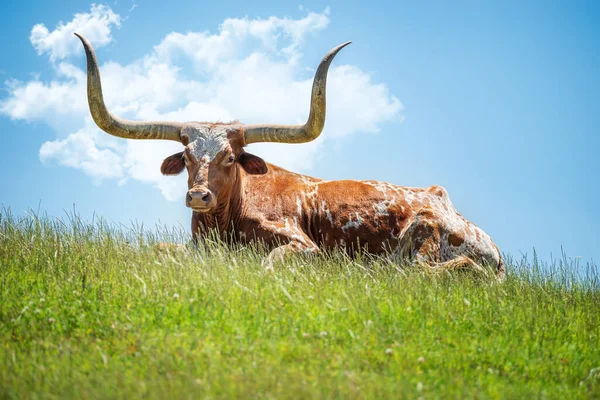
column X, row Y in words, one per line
column 92, row 311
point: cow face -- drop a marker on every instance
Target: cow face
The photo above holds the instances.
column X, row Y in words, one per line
column 213, row 157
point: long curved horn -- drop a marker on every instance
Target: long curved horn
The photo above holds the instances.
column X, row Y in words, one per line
column 114, row 125
column 316, row 119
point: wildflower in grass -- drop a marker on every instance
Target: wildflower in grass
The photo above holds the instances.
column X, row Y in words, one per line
column 421, row 360
column 175, row 296
column 323, row 334
column 389, row 351
column 51, row 320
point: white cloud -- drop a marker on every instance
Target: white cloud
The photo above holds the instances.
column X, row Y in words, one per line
column 209, row 51
column 80, row 150
column 61, row 43
column 56, row 103
column 251, row 70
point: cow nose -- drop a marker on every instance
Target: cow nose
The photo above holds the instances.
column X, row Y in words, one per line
column 200, row 198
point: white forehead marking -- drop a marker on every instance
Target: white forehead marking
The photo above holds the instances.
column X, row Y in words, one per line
column 205, row 142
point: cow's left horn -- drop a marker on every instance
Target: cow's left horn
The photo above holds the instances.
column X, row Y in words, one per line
column 316, row 119
column 114, row 125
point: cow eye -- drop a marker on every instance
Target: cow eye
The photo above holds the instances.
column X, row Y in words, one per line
column 230, row 160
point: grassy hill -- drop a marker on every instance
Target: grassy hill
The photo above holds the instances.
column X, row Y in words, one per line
column 89, row 310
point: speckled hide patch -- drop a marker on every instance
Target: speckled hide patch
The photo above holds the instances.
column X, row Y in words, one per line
column 205, row 141
column 376, row 216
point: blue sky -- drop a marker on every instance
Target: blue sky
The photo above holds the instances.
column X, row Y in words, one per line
column 497, row 102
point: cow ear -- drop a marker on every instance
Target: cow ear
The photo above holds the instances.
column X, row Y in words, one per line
column 173, row 165
column 252, row 164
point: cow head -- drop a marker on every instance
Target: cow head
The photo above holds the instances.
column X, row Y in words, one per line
column 214, row 153
column 213, row 157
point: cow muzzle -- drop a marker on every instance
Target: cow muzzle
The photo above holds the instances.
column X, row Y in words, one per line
column 200, row 200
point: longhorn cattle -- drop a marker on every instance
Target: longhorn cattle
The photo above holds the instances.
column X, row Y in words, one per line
column 246, row 199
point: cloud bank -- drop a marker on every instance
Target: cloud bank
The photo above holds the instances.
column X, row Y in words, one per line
column 249, row 70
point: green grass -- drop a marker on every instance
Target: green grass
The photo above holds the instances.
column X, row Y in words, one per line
column 92, row 311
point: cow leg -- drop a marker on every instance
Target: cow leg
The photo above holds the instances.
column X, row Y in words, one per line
column 287, row 231
column 421, row 239
column 463, row 240
column 278, row 254
column 422, row 245
column 431, row 241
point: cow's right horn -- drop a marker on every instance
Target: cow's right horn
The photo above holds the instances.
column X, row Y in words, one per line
column 114, row 125
column 316, row 119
